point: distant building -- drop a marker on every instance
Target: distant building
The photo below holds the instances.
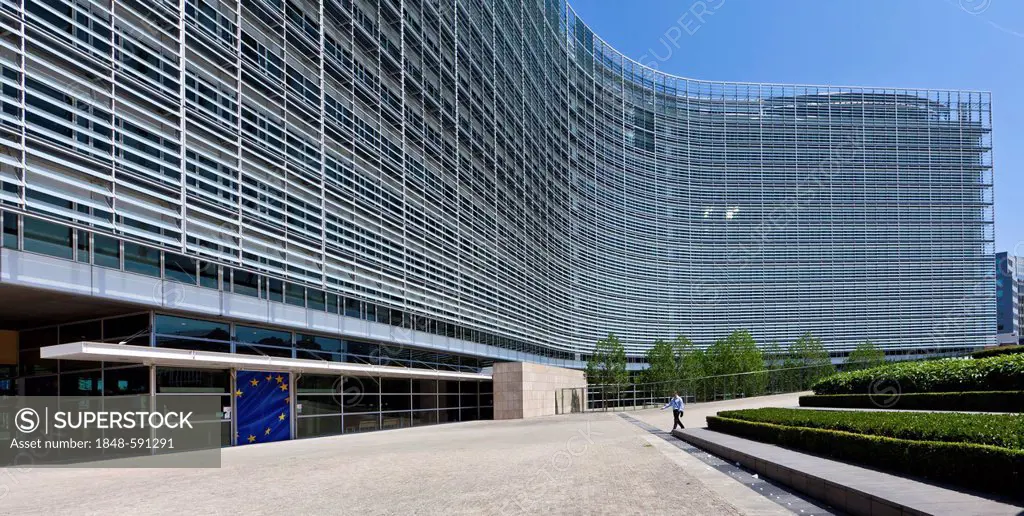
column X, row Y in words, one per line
column 1009, row 298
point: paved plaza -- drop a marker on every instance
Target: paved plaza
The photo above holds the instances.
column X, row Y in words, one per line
column 596, row 463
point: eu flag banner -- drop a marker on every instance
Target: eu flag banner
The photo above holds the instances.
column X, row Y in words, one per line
column 263, row 407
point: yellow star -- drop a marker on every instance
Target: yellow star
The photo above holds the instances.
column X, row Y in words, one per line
column 254, row 382
column 238, row 393
column 252, row 438
column 236, row 435
column 284, row 386
column 279, row 378
column 267, row 431
column 269, row 377
column 287, row 400
column 281, row 417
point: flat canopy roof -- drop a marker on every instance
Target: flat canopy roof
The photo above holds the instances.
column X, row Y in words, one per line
column 108, row 352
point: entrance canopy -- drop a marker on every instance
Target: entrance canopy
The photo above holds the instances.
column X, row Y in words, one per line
column 109, row 352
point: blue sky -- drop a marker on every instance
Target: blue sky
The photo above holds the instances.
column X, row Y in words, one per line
column 939, row 44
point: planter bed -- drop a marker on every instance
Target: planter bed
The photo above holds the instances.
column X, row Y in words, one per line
column 980, row 401
column 968, row 464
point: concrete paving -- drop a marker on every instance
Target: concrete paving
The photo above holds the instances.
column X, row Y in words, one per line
column 695, row 414
column 596, row 463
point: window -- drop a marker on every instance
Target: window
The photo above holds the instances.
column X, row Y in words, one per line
column 10, row 230
column 276, row 288
column 315, row 299
column 208, row 275
column 294, row 294
column 317, row 404
column 193, row 344
column 361, row 422
column 83, row 246
column 126, row 381
column 318, row 384
column 141, row 260
column 360, row 351
column 106, row 251
column 192, row 328
column 180, row 268
column 263, row 336
column 246, row 283
column 424, row 386
column 352, row 308
column 47, row 238
column 318, row 348
column 332, row 303
column 83, row 383
column 318, row 426
column 395, row 402
column 45, row 386
column 118, row 328
column 260, row 341
column 395, row 386
column 81, row 332
column 177, row 381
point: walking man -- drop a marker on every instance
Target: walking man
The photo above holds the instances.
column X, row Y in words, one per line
column 677, row 409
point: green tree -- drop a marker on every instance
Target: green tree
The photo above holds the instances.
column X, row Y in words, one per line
column 866, row 355
column 749, row 364
column 735, row 354
column 774, row 357
column 661, row 371
column 690, row 365
column 808, row 354
column 689, row 358
column 607, row 366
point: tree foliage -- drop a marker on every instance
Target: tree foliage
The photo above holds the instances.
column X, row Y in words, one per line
column 662, row 369
column 808, row 361
column 865, row 356
column 733, row 355
column 608, row 364
column 689, row 359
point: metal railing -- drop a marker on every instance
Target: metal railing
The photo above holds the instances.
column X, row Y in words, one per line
column 636, row 396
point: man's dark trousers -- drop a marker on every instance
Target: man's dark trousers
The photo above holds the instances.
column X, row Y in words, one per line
column 676, row 414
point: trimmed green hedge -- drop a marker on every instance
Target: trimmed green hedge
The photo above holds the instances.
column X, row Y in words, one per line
column 979, row 401
column 998, row 351
column 1003, row 430
column 975, row 466
column 1000, row 373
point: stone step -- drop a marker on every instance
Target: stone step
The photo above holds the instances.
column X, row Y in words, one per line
column 853, row 489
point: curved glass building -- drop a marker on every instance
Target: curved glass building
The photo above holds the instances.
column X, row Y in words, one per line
column 487, row 172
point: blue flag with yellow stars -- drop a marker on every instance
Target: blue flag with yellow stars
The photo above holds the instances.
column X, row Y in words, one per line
column 263, row 407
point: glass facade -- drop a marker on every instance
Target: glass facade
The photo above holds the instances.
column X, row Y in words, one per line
column 492, row 171
column 329, row 405
column 323, row 404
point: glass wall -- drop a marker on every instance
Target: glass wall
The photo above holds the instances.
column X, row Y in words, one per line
column 49, row 238
column 174, row 331
column 327, row 405
column 33, row 370
column 324, row 405
column 200, row 382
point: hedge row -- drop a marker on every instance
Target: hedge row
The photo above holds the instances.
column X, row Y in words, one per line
column 998, row 351
column 975, row 466
column 1003, row 430
column 1000, row 373
column 979, row 401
